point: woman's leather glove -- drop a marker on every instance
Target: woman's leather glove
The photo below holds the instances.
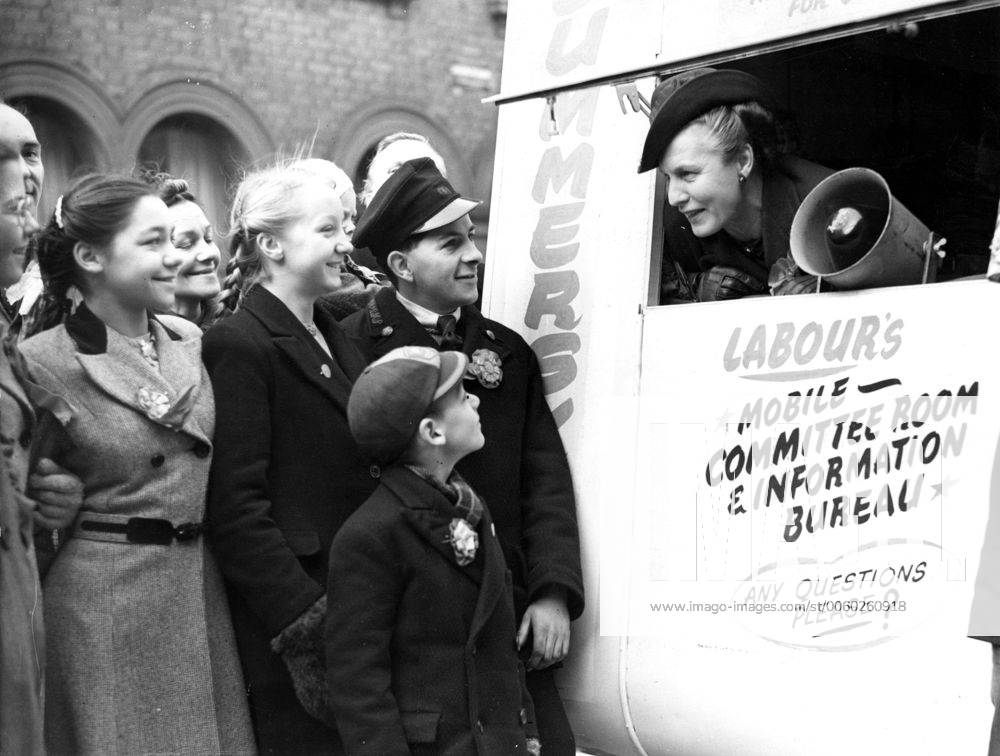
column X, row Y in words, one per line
column 785, row 277
column 724, row 282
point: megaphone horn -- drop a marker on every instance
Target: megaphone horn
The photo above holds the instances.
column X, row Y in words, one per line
column 852, row 232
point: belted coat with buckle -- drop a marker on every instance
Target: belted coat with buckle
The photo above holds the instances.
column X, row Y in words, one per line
column 286, row 476
column 420, row 650
column 141, row 652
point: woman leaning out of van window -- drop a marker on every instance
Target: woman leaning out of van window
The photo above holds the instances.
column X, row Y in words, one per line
column 287, row 472
column 141, row 654
column 731, row 190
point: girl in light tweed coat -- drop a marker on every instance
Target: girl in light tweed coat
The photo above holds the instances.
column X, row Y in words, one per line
column 142, row 657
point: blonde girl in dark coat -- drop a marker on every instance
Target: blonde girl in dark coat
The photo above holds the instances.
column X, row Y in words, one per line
column 287, row 472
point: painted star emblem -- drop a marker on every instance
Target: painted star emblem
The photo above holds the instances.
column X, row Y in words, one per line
column 939, row 488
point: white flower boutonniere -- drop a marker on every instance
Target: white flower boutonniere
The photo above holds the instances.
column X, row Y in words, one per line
column 464, row 540
column 156, row 404
column 484, row 366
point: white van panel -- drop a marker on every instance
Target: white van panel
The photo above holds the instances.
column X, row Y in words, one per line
column 556, row 43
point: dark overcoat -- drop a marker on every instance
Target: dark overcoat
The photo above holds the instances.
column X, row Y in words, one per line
column 420, row 651
column 286, row 476
column 522, row 472
column 785, row 186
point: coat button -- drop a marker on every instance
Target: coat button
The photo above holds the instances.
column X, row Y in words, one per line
column 479, row 726
column 158, row 460
column 201, row 449
column 375, row 471
column 25, row 438
column 490, row 334
column 324, row 370
column 387, row 331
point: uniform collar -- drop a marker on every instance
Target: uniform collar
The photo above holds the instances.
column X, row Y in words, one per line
column 426, row 318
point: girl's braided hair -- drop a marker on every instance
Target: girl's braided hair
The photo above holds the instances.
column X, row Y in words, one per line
column 266, row 202
column 93, row 210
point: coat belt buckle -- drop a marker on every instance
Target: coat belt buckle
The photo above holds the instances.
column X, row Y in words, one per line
column 149, row 530
column 188, row 531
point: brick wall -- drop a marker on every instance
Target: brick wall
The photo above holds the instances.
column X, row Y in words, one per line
column 305, row 69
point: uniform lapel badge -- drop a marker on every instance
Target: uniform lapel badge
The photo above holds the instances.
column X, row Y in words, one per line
column 325, row 370
column 484, row 366
column 387, row 331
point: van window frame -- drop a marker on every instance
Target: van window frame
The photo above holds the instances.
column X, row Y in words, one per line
column 657, row 242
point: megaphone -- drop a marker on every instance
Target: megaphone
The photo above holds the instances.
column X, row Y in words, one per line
column 852, row 232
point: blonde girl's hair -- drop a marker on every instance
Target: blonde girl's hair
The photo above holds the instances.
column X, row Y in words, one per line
column 328, row 171
column 266, row 202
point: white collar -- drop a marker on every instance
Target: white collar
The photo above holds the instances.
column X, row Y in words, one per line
column 426, row 318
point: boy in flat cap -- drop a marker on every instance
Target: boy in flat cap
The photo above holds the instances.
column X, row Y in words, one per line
column 420, row 622
column 419, row 230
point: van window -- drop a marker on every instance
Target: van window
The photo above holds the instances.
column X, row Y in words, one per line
column 919, row 104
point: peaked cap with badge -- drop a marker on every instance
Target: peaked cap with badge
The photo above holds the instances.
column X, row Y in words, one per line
column 415, row 199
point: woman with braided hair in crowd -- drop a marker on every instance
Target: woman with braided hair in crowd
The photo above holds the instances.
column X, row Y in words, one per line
column 287, row 472
column 194, row 242
column 141, row 652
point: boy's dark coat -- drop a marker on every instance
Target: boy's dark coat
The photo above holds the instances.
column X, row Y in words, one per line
column 522, row 473
column 420, row 651
column 285, row 477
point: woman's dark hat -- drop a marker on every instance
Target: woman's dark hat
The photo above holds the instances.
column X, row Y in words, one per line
column 414, row 199
column 680, row 99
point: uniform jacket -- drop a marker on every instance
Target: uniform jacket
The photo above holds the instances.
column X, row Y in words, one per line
column 522, row 472
column 142, row 656
column 22, row 641
column 785, row 186
column 420, row 651
column 286, row 476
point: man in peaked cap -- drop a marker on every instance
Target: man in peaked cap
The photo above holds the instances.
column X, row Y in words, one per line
column 418, row 228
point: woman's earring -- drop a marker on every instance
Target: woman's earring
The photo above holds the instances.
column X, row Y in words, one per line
column 741, row 178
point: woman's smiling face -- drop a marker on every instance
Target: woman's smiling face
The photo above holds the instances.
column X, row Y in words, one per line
column 315, row 244
column 702, row 181
column 194, row 240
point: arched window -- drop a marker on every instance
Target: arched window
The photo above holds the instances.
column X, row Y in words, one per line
column 201, row 151
column 67, row 147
